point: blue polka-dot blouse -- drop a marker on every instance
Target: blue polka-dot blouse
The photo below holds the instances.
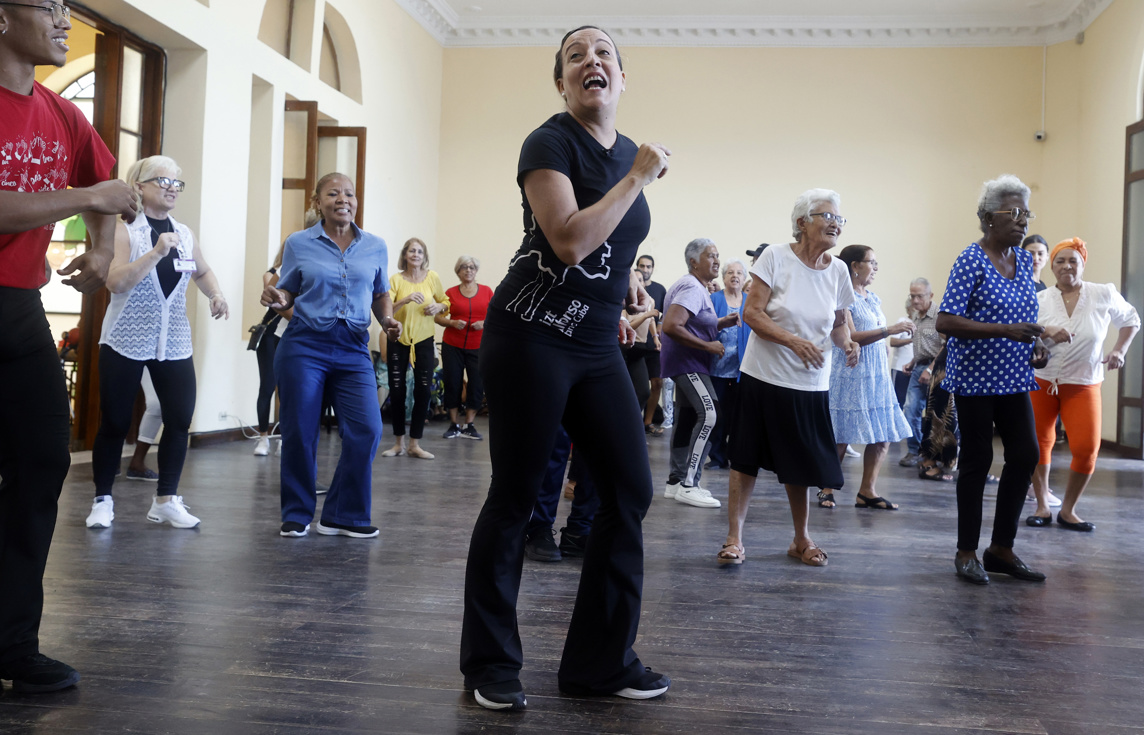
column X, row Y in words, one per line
column 996, row 366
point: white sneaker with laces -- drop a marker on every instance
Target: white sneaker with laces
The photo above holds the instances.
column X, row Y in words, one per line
column 696, row 496
column 102, row 512
column 852, row 452
column 173, row 512
column 262, row 448
column 670, row 490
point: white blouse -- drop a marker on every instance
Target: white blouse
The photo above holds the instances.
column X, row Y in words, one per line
column 1079, row 362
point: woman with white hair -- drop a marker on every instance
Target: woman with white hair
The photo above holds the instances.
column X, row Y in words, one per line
column 796, row 308
column 989, row 313
column 691, row 328
column 464, row 324
column 146, row 326
column 725, row 369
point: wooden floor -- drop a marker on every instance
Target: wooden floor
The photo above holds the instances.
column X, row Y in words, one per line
column 232, row 629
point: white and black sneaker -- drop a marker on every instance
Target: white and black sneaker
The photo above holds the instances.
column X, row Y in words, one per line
column 336, row 529
column 293, row 529
column 502, row 695
column 650, row 684
column 470, row 432
column 452, row 432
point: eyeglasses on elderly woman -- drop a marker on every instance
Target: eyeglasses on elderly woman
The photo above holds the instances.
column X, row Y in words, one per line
column 166, row 182
column 829, row 217
column 1017, row 213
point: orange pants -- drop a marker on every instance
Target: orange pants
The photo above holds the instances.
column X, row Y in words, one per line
column 1079, row 409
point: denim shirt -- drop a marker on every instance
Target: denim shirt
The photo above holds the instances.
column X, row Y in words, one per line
column 328, row 284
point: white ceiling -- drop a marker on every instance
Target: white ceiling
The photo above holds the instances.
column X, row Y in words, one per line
column 760, row 22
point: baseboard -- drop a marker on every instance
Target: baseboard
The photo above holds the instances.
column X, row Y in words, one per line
column 210, row 438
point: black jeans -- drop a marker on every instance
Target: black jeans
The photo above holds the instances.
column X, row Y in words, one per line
column 397, row 360
column 455, row 363
column 533, row 388
column 266, row 383
column 1013, row 416
column 119, row 378
column 636, row 360
column 34, row 460
column 727, row 394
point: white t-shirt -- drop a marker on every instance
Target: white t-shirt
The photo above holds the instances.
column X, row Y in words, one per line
column 803, row 301
column 1079, row 362
column 899, row 356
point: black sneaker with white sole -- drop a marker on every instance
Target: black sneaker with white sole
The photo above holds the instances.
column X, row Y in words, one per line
column 650, row 684
column 508, row 695
column 470, row 432
column 336, row 529
column 292, row 529
column 38, row 674
column 452, row 432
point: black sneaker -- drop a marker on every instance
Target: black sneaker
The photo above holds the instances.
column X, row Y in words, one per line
column 37, row 674
column 337, row 529
column 541, row 546
column 292, row 529
column 470, row 432
column 452, row 432
column 650, row 684
column 571, row 545
column 502, row 695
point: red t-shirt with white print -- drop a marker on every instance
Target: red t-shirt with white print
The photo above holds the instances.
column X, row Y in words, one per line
column 46, row 144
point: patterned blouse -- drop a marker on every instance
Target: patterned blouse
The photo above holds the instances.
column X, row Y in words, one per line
column 995, row 366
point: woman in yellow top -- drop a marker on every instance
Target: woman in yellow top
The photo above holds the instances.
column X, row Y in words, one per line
column 417, row 296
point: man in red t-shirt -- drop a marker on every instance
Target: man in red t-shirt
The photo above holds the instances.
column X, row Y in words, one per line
column 46, row 145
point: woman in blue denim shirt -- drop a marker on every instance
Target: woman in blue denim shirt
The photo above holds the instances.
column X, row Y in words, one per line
column 725, row 370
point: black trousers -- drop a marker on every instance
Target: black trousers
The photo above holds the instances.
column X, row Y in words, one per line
column 455, row 363
column 636, row 360
column 532, row 389
column 397, row 360
column 266, row 383
column 119, row 378
column 34, row 460
column 1013, row 416
column 727, row 394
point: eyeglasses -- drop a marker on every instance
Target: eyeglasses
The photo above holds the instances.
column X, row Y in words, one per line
column 1017, row 213
column 166, row 182
column 59, row 12
column 872, row 263
column 829, row 217
column 466, row 267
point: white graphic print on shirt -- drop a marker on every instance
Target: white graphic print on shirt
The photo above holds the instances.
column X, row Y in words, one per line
column 30, row 164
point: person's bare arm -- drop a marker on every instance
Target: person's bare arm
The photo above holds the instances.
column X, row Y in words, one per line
column 20, row 211
column 962, row 328
column 674, row 322
column 207, row 282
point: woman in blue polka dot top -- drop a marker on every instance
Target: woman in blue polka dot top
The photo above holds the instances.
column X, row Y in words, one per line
column 989, row 313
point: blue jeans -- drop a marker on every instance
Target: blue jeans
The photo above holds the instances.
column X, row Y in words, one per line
column 584, row 503
column 916, row 395
column 307, row 364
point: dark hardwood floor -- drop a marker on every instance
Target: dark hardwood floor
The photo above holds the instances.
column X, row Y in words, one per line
column 232, row 629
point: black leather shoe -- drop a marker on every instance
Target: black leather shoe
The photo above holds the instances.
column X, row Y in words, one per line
column 971, row 571
column 1082, row 526
column 1039, row 521
column 1016, row 568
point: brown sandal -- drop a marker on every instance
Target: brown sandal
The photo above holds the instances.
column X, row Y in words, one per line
column 811, row 555
column 731, row 554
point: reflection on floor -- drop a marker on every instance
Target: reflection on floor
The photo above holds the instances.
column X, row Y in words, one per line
column 232, row 629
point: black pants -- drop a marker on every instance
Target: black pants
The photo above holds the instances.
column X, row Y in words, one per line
column 34, row 461
column 1013, row 416
column 397, row 360
column 266, row 383
column 119, row 378
column 727, row 394
column 532, row 389
column 636, row 360
column 455, row 364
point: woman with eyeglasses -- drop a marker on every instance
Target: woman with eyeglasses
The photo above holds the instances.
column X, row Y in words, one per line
column 863, row 406
column 989, row 313
column 796, row 309
column 146, row 326
column 464, row 325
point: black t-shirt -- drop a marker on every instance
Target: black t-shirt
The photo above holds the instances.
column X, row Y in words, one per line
column 541, row 296
column 168, row 276
column 658, row 293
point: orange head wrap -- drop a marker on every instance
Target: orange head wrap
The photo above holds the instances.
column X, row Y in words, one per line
column 1074, row 244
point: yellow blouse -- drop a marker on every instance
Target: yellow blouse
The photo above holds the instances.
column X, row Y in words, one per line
column 415, row 325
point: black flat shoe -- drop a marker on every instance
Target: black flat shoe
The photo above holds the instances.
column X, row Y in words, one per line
column 971, row 571
column 507, row 695
column 1039, row 521
column 1015, row 568
column 1084, row 526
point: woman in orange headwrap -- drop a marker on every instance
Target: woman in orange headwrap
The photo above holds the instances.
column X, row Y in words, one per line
column 1076, row 316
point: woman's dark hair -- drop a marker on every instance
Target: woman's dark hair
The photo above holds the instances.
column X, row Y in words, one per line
column 1032, row 239
column 852, row 254
column 558, row 71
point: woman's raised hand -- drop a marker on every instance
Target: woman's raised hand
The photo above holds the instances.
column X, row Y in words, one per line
column 167, row 241
column 1023, row 331
column 431, row 309
column 651, row 163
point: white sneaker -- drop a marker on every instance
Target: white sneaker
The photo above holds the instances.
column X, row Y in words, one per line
column 697, row 496
column 670, row 490
column 851, row 452
column 1054, row 501
column 102, row 512
column 262, row 448
column 173, row 512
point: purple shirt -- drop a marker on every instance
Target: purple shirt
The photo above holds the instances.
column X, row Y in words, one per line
column 677, row 359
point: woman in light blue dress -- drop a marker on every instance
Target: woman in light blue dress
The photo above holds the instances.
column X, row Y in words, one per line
column 863, row 406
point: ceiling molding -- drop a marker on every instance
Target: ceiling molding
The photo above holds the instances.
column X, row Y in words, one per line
column 439, row 19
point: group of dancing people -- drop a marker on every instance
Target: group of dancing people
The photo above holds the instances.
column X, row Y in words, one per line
column 548, row 352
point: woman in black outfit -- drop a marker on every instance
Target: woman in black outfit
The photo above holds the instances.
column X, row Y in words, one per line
column 549, row 355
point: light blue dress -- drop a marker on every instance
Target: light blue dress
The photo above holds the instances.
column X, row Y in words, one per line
column 863, row 406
